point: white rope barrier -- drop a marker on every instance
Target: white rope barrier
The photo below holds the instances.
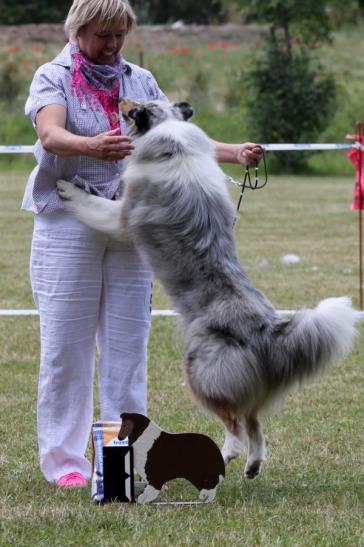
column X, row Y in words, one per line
column 19, row 312
column 13, row 313
column 155, row 313
column 16, row 149
column 310, row 146
column 25, row 149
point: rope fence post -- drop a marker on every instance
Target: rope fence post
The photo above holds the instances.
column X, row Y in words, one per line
column 359, row 130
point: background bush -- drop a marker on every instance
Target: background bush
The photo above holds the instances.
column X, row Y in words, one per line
column 33, row 11
column 291, row 96
column 291, row 99
column 203, row 11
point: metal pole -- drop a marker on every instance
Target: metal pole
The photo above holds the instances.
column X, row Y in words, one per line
column 359, row 127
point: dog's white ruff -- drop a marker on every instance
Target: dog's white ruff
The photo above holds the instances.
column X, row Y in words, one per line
column 142, row 445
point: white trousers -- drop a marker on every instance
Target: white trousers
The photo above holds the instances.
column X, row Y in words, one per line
column 86, row 288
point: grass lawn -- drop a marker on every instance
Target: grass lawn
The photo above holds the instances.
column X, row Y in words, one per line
column 311, row 491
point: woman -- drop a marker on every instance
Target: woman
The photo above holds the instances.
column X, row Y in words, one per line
column 87, row 287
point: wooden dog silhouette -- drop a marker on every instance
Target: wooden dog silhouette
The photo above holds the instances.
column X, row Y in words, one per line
column 160, row 457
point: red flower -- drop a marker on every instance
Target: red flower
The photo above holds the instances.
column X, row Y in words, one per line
column 184, row 51
column 13, row 49
column 174, row 50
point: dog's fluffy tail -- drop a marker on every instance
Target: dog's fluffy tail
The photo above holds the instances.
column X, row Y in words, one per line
column 315, row 338
column 246, row 377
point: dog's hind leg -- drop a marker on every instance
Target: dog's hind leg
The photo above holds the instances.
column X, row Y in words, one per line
column 257, row 451
column 235, row 438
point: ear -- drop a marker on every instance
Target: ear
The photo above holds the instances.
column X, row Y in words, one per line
column 126, row 428
column 185, row 108
column 141, row 118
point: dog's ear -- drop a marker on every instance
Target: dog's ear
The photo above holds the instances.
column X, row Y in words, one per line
column 126, row 429
column 185, row 108
column 140, row 117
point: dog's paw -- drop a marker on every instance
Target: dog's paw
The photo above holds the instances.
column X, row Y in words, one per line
column 252, row 469
column 67, row 190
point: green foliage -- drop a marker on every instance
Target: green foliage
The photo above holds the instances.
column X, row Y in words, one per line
column 189, row 11
column 344, row 13
column 290, row 96
column 10, row 84
column 17, row 66
column 205, row 11
column 15, row 129
column 291, row 99
column 148, row 11
column 285, row 13
column 199, row 88
column 33, row 11
column 311, row 17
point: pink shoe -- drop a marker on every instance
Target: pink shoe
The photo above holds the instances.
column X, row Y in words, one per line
column 72, row 480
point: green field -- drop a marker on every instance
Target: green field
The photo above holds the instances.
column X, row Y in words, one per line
column 311, row 491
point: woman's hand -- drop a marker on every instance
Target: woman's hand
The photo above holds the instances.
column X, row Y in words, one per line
column 109, row 146
column 249, row 153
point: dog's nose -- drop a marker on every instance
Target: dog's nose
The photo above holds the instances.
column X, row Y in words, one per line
column 126, row 105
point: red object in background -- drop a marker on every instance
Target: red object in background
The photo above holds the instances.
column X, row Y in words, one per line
column 357, row 158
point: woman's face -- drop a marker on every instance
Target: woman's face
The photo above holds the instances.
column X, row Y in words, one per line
column 101, row 47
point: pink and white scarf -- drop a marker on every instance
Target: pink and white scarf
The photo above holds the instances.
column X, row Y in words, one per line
column 97, row 84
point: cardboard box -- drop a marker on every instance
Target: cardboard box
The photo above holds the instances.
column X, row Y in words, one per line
column 113, row 467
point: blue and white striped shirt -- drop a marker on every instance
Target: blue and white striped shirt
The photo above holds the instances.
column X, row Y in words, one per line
column 52, row 85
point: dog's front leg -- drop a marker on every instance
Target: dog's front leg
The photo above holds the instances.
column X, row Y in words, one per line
column 98, row 213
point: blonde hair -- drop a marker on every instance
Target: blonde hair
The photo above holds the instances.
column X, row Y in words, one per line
column 106, row 12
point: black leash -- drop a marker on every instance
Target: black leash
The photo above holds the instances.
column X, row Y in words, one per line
column 249, row 183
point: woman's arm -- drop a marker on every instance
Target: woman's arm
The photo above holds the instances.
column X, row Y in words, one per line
column 51, row 122
column 247, row 153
